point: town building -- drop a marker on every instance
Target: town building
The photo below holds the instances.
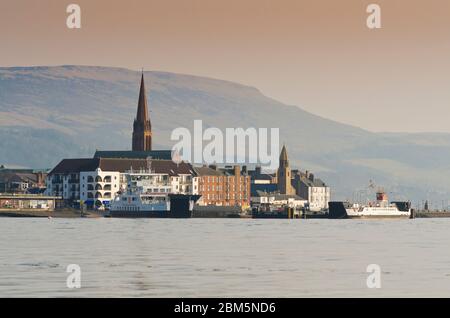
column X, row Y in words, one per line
column 262, row 181
column 22, row 181
column 25, row 202
column 227, row 186
column 313, row 189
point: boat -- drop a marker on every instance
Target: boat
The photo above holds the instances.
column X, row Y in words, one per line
column 379, row 209
column 152, row 203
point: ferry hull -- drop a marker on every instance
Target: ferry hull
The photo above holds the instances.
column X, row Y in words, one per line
column 139, row 214
column 378, row 217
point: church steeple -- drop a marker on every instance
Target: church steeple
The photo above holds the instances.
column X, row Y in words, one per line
column 284, row 161
column 142, row 111
column 142, row 128
column 284, row 174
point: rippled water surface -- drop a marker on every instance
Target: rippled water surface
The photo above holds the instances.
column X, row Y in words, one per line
column 224, row 257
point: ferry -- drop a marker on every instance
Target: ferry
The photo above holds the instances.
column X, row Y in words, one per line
column 379, row 209
column 145, row 198
column 152, row 203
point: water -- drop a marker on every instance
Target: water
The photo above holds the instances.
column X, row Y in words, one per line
column 224, row 257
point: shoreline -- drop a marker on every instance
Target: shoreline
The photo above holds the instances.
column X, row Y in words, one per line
column 66, row 213
column 73, row 213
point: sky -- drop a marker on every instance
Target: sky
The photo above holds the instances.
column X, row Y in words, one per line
column 315, row 54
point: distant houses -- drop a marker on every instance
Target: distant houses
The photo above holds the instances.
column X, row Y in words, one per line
column 13, row 180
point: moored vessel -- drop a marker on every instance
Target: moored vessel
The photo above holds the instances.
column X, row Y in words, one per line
column 152, row 205
column 379, row 209
column 149, row 195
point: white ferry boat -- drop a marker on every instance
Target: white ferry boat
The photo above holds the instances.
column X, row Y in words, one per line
column 379, row 209
column 146, row 198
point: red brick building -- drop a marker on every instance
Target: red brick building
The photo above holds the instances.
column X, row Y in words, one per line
column 224, row 187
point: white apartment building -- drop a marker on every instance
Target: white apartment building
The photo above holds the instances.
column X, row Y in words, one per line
column 98, row 188
column 314, row 190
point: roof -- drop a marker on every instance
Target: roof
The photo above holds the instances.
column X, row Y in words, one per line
column 254, row 188
column 260, row 176
column 159, row 166
column 122, row 165
column 316, row 182
column 18, row 177
column 129, row 154
column 210, row 171
column 75, row 165
column 207, row 171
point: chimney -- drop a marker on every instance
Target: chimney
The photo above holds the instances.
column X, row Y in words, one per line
column 258, row 170
column 311, row 177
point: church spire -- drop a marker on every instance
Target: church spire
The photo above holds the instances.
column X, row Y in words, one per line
column 142, row 128
column 142, row 111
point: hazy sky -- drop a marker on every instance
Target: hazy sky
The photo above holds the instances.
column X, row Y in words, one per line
column 316, row 54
